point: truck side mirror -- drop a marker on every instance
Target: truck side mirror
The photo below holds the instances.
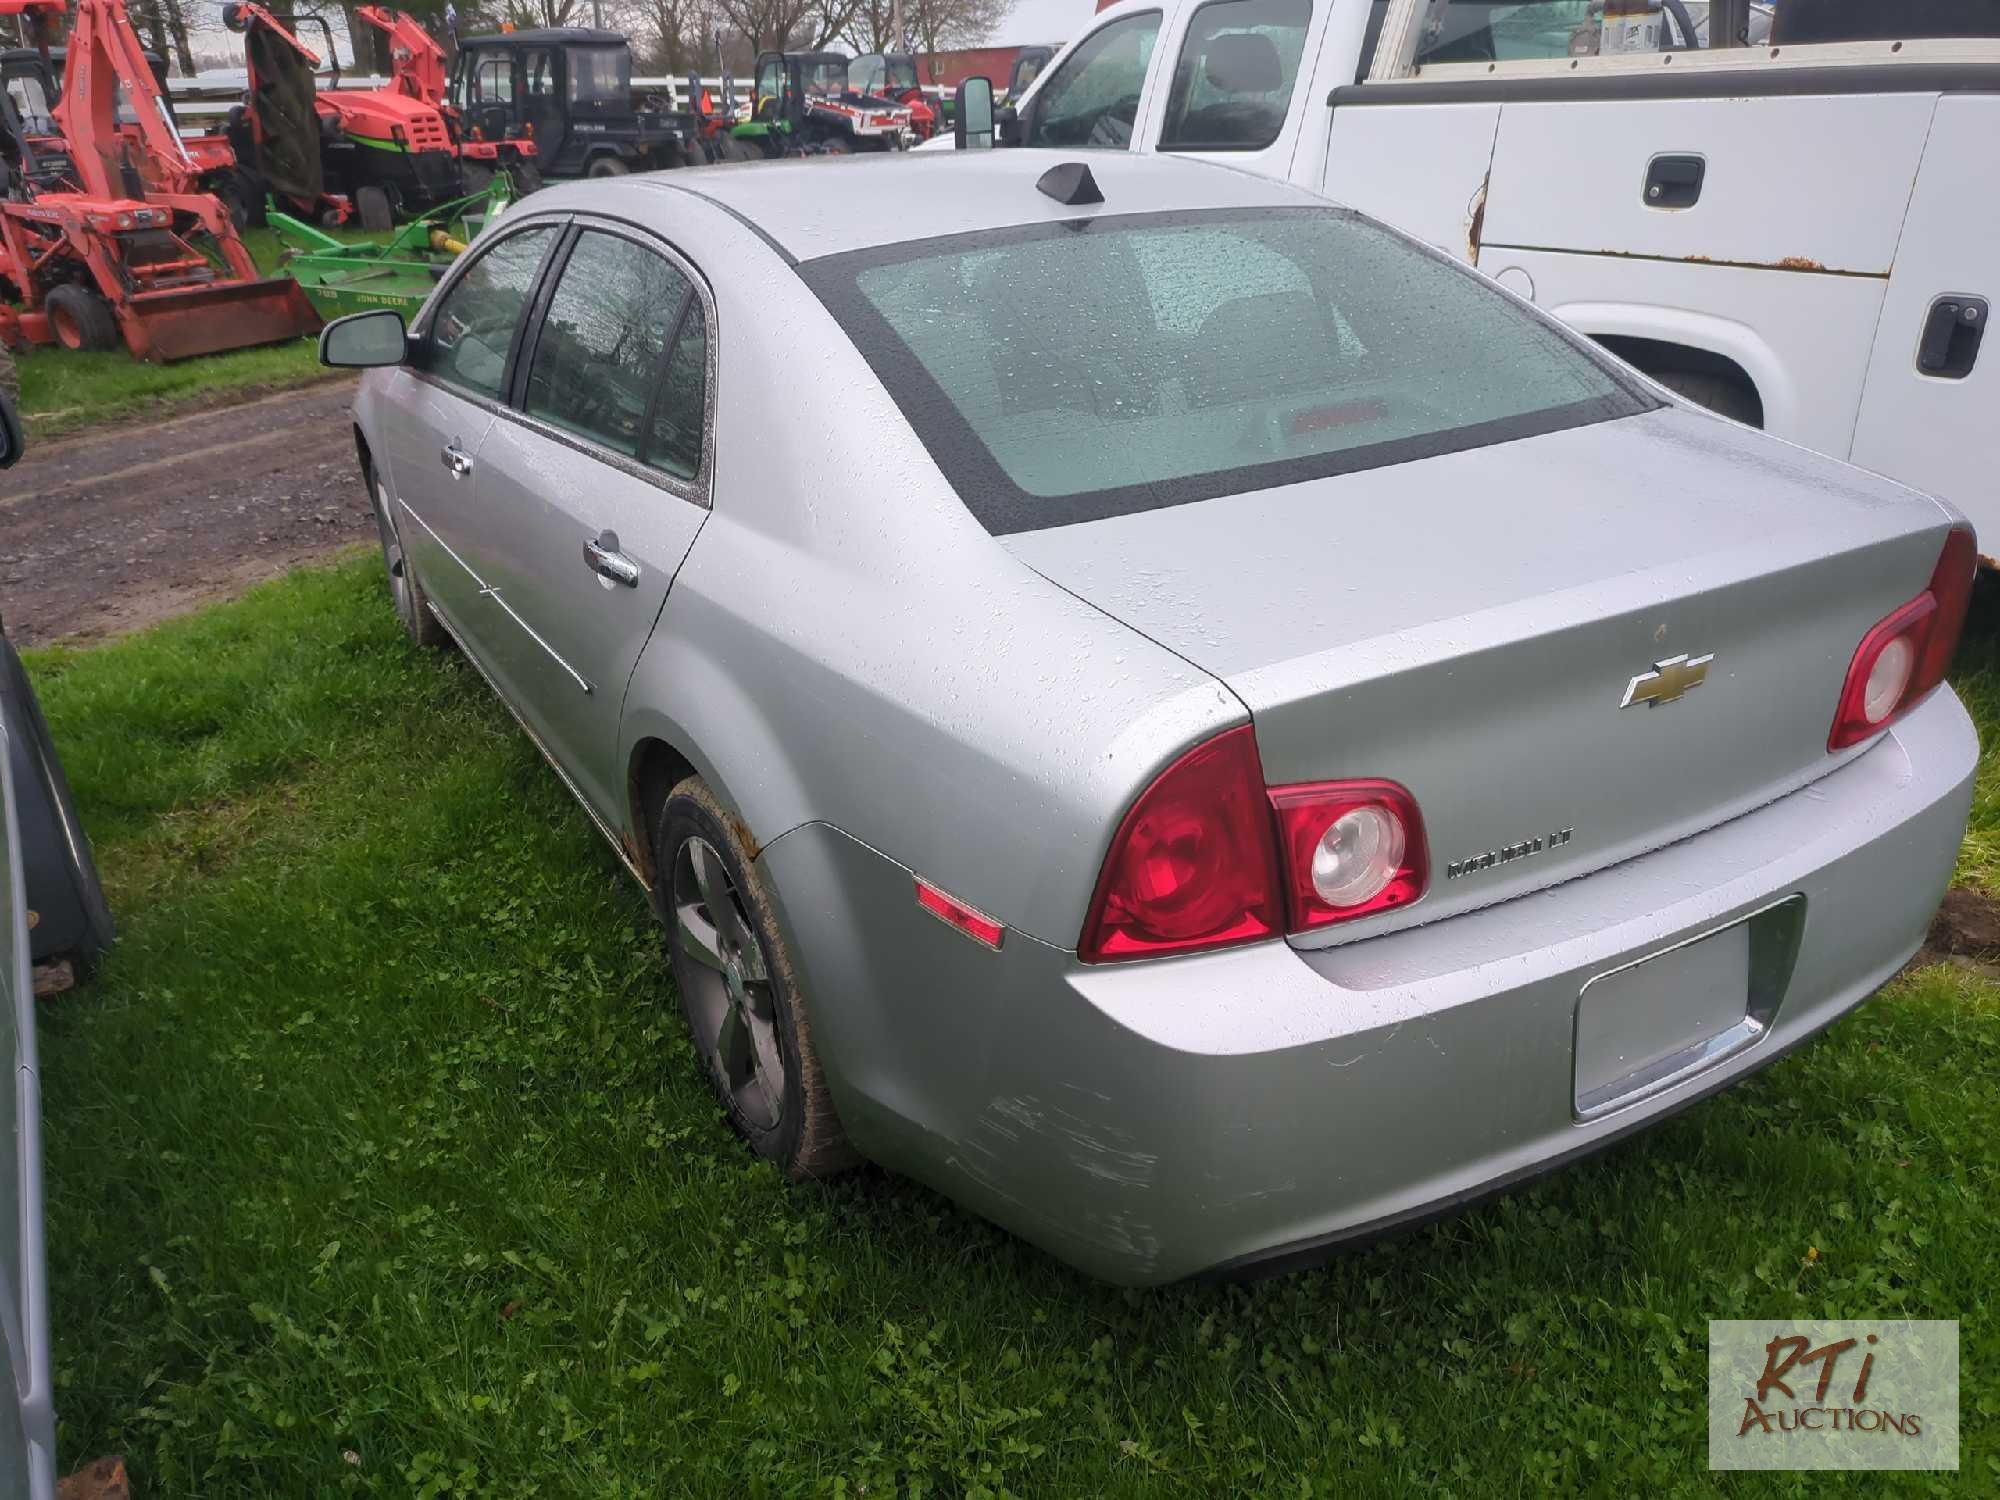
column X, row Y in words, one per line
column 972, row 115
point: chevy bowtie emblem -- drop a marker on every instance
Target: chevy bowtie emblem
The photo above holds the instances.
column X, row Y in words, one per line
column 1668, row 680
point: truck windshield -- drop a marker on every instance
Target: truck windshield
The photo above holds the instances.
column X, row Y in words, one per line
column 1155, row 359
column 826, row 76
column 900, row 72
column 600, row 75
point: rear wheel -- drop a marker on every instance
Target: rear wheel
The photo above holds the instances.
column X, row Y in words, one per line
column 739, row 989
column 412, row 605
column 607, row 166
column 80, row 319
column 527, row 176
column 373, row 209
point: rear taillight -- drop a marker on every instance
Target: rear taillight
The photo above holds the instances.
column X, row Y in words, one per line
column 1194, row 864
column 1905, row 655
column 1208, row 857
column 1349, row 848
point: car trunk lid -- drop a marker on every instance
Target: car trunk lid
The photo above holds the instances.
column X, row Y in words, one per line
column 1471, row 624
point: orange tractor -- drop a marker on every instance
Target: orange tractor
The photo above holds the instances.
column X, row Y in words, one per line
column 118, row 243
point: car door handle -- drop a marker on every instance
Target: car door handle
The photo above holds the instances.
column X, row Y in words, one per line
column 608, row 562
column 456, row 459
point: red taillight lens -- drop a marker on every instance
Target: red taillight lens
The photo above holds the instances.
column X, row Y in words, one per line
column 1907, row 653
column 1194, row 864
column 1349, row 848
column 1208, row 858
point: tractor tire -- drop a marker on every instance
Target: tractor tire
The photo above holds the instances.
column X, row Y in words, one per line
column 373, row 209
column 728, row 148
column 527, row 177
column 475, row 177
column 81, row 320
column 10, row 378
column 607, row 166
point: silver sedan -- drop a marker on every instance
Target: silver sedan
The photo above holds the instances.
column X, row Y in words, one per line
column 1159, row 706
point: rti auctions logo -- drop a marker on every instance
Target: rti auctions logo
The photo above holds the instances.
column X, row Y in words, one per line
column 1782, row 1356
column 1833, row 1395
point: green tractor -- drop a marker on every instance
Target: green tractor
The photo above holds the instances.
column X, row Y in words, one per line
column 802, row 106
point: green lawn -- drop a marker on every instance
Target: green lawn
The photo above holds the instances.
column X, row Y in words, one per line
column 378, row 1164
column 61, row 391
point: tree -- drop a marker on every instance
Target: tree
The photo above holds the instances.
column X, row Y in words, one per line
column 161, row 20
column 927, row 24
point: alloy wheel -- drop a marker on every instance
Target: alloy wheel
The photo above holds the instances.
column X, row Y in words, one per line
column 730, row 999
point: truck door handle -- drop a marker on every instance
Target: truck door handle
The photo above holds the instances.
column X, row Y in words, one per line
column 1950, row 342
column 608, row 562
column 456, row 459
column 1674, row 181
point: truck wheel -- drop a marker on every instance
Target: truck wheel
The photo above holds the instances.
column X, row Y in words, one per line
column 607, row 166
column 372, row 208
column 1720, row 394
column 81, row 319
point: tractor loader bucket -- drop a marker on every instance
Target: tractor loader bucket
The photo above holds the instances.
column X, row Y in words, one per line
column 184, row 321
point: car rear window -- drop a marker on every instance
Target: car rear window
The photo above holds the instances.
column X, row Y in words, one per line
column 1067, row 372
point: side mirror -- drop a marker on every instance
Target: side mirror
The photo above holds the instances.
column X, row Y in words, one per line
column 972, row 115
column 364, row 340
column 12, row 438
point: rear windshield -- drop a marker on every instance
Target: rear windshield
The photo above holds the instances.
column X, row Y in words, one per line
column 600, row 75
column 1067, row 372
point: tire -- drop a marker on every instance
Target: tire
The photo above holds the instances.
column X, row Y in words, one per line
column 527, row 177
column 1720, row 394
column 607, row 166
column 739, row 989
column 10, row 377
column 474, row 177
column 81, row 320
column 728, row 148
column 373, row 209
column 228, row 190
column 405, row 591
column 62, row 888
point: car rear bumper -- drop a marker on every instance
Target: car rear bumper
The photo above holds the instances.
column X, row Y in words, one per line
column 1153, row 1121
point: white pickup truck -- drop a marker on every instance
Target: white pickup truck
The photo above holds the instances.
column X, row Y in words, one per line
column 1789, row 212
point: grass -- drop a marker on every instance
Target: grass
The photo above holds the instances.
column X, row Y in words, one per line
column 62, row 391
column 378, row 1164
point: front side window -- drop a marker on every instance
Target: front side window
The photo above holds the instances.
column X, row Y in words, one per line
column 31, row 103
column 494, row 82
column 770, row 95
column 1093, row 98
column 1060, row 376
column 474, row 326
column 600, row 76
column 900, row 72
column 538, row 74
column 1233, row 82
column 825, row 75
column 598, row 359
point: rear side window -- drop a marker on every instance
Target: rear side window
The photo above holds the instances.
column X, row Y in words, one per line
column 1066, row 372
column 673, row 438
column 1233, row 81
column 474, row 325
column 598, row 359
column 1093, row 98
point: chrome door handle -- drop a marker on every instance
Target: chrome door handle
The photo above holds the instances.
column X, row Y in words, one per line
column 608, row 562
column 456, row 459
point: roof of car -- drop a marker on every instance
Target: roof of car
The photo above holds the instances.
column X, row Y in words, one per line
column 555, row 36
column 805, row 208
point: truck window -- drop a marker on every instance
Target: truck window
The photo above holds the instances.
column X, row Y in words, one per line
column 600, row 75
column 1233, row 81
column 1093, row 98
column 1795, row 22
column 1486, row 31
column 493, row 83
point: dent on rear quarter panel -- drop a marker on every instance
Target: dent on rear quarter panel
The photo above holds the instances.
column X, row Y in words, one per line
column 845, row 643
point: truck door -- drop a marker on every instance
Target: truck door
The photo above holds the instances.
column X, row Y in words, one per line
column 542, row 107
column 1933, row 383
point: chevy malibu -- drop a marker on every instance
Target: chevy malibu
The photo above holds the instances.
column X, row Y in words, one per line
column 1155, row 704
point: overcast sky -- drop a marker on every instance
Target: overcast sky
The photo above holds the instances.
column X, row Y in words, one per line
column 1044, row 21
